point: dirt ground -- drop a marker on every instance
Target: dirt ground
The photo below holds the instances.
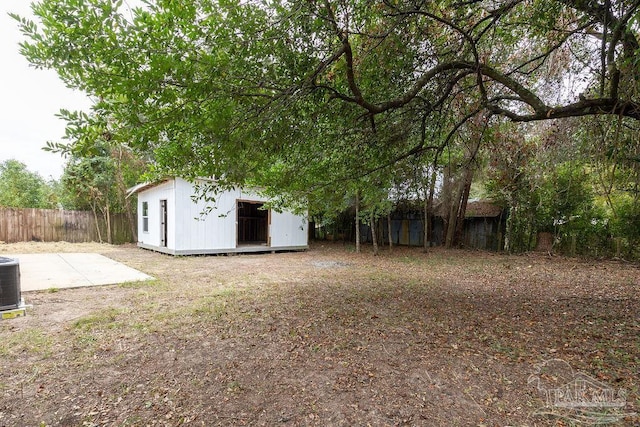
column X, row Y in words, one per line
column 328, row 337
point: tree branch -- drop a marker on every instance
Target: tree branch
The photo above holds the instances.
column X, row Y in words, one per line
column 586, row 107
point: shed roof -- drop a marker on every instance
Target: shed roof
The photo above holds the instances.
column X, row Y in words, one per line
column 482, row 209
column 475, row 209
column 145, row 186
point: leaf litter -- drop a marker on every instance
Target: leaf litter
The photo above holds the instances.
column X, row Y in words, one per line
column 323, row 337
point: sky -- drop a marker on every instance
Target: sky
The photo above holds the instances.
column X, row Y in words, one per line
column 30, row 99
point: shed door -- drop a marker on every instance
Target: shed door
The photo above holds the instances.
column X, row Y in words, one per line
column 163, row 223
column 253, row 223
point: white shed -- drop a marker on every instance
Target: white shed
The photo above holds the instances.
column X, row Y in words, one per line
column 173, row 220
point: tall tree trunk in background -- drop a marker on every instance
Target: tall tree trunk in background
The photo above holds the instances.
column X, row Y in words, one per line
column 452, row 216
column 462, row 208
column 357, row 222
column 446, row 199
column 451, row 205
column 467, row 179
column 531, row 226
column 426, row 227
column 95, row 218
column 94, row 207
column 373, row 234
column 508, row 234
column 389, row 232
column 122, row 189
column 131, row 219
column 108, row 218
column 428, row 209
column 311, row 229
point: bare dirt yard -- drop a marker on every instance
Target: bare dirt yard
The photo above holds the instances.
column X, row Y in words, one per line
column 328, row 337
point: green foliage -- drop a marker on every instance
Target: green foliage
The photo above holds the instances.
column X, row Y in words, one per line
column 577, row 180
column 97, row 176
column 88, row 182
column 613, row 148
column 316, row 101
column 568, row 210
column 544, row 187
column 626, row 225
column 20, row 188
column 291, row 94
column 565, row 195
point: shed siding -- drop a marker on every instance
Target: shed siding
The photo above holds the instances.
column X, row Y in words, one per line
column 288, row 229
column 153, row 196
column 207, row 224
column 200, row 226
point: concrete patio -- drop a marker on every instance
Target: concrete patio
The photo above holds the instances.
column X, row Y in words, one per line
column 72, row 270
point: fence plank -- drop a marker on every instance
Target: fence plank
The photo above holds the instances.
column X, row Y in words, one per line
column 53, row 225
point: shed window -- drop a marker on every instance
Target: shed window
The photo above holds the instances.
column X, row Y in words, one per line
column 145, row 217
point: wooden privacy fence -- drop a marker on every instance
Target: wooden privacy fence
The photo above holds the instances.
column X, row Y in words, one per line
column 53, row 225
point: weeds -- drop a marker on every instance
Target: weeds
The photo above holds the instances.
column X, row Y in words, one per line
column 32, row 341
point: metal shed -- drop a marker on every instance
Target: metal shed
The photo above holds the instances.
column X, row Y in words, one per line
column 174, row 220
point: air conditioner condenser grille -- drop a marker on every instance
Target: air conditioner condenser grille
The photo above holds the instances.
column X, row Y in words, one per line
column 9, row 284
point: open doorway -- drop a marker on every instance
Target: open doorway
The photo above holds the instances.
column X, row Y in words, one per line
column 253, row 223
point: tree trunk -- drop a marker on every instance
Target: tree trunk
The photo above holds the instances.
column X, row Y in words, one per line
column 357, row 222
column 453, row 206
column 451, row 223
column 122, row 189
column 428, row 209
column 509, row 230
column 373, row 235
column 425, row 227
column 108, row 219
column 462, row 208
column 131, row 219
column 127, row 206
column 311, row 230
column 447, row 201
column 389, row 232
column 95, row 218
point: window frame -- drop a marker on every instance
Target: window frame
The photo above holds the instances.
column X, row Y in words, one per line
column 145, row 217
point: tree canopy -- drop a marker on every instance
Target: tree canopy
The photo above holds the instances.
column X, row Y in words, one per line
column 21, row 188
column 306, row 97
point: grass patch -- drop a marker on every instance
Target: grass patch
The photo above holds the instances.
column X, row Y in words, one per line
column 380, row 278
column 101, row 330
column 410, row 260
column 211, row 310
column 106, row 319
column 215, row 306
column 32, row 341
column 224, row 293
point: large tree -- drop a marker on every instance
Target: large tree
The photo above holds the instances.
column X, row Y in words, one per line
column 301, row 96
column 98, row 172
column 21, row 188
